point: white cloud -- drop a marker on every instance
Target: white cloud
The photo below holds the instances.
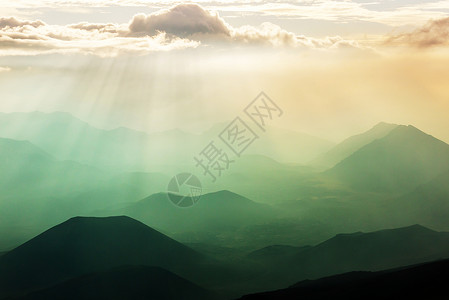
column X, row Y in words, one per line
column 5, row 69
column 388, row 12
column 196, row 23
column 182, row 20
column 182, row 26
column 22, row 37
column 13, row 22
column 433, row 33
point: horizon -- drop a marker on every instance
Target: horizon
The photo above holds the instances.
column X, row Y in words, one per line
column 213, row 125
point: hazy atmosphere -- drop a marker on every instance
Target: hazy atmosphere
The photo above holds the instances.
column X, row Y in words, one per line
column 224, row 149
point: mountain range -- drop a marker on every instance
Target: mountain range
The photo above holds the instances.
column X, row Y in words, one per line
column 100, row 257
column 396, row 163
column 69, row 138
column 350, row 145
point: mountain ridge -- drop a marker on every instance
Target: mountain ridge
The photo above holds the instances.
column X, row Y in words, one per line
column 388, row 165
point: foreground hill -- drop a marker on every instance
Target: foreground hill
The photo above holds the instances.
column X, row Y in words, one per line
column 399, row 162
column 352, row 144
column 84, row 245
column 133, row 282
column 427, row 281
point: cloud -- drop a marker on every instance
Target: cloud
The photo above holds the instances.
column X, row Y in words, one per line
column 434, row 33
column 180, row 27
column 182, row 20
column 196, row 23
column 5, row 69
column 22, row 37
column 12, row 22
column 99, row 27
column 387, row 12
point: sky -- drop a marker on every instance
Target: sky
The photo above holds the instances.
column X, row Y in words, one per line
column 335, row 67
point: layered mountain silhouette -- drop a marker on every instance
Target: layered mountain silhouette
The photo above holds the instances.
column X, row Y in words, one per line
column 398, row 162
column 353, row 252
column 426, row 281
column 69, row 138
column 130, row 282
column 54, row 166
column 85, row 245
column 352, row 144
column 102, row 258
column 27, row 168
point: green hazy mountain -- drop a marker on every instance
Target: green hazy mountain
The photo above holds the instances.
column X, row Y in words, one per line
column 425, row 281
column 283, row 145
column 68, row 138
column 398, row 162
column 131, row 282
column 352, row 144
column 428, row 204
column 84, row 245
column 352, row 252
column 27, row 168
column 38, row 191
column 214, row 213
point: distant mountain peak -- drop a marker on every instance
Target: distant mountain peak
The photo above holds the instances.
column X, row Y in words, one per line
column 80, row 219
column 384, row 124
column 353, row 143
column 398, row 162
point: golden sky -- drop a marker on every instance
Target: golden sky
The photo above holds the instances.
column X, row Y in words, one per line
column 336, row 67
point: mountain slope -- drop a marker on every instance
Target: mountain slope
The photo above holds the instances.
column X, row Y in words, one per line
column 133, row 282
column 399, row 162
column 352, row 144
column 426, row 281
column 288, row 146
column 68, row 138
column 282, row 145
column 26, row 167
column 83, row 245
column 428, row 204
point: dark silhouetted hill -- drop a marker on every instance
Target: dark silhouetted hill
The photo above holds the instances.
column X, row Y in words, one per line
column 133, row 282
column 83, row 245
column 359, row 251
column 426, row 281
